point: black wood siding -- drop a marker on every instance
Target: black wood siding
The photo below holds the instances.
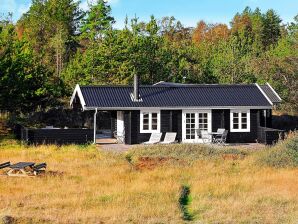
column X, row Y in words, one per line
column 218, row 119
column 221, row 119
column 170, row 121
column 132, row 128
column 127, row 127
column 248, row 137
column 177, row 123
column 266, row 121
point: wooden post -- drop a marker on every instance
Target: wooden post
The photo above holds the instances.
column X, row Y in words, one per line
column 95, row 126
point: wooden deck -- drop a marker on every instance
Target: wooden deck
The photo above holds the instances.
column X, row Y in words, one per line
column 115, row 147
column 106, row 141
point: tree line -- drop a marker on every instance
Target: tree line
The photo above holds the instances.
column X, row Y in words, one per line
column 56, row 45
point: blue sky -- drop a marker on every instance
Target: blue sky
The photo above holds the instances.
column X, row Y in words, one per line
column 189, row 12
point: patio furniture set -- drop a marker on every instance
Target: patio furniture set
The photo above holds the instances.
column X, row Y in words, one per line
column 23, row 169
column 219, row 137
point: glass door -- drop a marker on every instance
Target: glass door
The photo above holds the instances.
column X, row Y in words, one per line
column 190, row 126
column 193, row 123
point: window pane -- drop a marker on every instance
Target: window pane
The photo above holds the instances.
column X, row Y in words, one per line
column 244, row 115
column 235, row 115
column 235, row 126
column 235, row 120
column 145, row 127
column 244, row 126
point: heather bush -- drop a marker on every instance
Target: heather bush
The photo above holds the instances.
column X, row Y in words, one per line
column 284, row 154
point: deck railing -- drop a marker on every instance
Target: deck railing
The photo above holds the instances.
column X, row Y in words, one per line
column 55, row 136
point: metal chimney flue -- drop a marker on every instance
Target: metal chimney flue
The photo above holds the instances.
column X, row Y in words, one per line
column 136, row 88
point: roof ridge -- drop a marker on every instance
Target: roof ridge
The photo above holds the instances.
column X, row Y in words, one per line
column 169, row 86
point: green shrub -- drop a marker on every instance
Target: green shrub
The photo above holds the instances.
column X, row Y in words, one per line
column 284, row 154
column 184, row 202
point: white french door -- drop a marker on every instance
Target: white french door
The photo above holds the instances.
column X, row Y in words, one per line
column 190, row 126
column 193, row 122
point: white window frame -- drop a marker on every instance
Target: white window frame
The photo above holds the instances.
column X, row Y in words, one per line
column 240, row 129
column 150, row 121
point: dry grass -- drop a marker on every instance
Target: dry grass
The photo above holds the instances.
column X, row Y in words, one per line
column 90, row 186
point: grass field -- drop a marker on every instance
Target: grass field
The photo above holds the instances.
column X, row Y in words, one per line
column 87, row 185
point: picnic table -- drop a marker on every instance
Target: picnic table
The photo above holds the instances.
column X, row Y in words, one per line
column 21, row 169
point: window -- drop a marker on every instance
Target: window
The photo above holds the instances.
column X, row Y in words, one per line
column 149, row 121
column 240, row 121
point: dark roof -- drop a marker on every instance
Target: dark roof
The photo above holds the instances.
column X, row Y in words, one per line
column 274, row 98
column 175, row 97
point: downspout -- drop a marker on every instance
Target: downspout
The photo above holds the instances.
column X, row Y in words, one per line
column 94, row 128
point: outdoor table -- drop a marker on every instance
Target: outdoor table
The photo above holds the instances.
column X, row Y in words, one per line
column 214, row 133
column 21, row 169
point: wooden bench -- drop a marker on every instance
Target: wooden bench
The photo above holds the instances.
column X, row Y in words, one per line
column 4, row 165
column 39, row 168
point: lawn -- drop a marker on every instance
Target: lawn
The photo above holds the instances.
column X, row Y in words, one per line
column 87, row 185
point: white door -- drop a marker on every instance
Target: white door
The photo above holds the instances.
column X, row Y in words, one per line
column 189, row 127
column 193, row 122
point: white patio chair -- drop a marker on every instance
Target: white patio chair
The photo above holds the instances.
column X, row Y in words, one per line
column 221, row 138
column 220, row 130
column 154, row 139
column 206, row 137
column 170, row 138
column 120, row 136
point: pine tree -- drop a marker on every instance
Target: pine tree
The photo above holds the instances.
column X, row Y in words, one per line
column 98, row 21
column 271, row 28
